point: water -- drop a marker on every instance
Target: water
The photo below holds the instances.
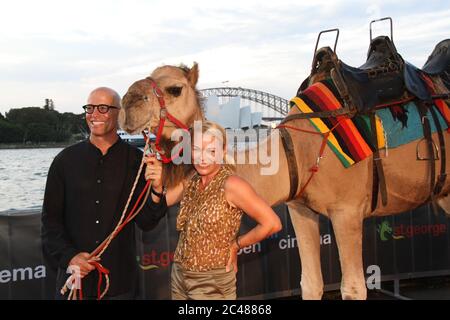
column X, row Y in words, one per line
column 23, row 173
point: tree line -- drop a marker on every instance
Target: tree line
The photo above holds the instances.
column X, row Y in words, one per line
column 36, row 125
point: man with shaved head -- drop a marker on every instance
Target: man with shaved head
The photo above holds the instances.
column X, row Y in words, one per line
column 88, row 185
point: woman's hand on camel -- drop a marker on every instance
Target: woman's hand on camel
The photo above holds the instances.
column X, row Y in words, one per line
column 153, row 172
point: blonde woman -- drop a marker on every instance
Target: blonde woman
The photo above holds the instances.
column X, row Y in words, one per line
column 213, row 200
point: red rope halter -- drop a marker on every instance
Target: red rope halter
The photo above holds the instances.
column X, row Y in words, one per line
column 163, row 115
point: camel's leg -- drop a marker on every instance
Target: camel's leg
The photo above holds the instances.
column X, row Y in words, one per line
column 348, row 231
column 306, row 226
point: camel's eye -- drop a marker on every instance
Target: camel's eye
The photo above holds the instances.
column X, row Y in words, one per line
column 174, row 91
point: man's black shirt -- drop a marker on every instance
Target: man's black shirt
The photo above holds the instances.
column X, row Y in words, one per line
column 85, row 195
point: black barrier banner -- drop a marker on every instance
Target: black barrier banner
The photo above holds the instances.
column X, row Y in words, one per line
column 412, row 244
column 23, row 272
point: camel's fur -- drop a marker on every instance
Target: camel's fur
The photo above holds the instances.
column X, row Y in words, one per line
column 343, row 195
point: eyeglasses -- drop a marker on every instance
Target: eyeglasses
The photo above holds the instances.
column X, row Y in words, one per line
column 102, row 108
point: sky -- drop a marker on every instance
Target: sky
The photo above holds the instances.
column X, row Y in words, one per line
column 63, row 49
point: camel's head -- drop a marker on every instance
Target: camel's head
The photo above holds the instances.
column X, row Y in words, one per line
column 141, row 108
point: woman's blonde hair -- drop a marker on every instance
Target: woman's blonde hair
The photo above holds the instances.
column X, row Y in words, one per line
column 219, row 132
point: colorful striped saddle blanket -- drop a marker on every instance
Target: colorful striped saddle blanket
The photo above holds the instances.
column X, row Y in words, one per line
column 351, row 141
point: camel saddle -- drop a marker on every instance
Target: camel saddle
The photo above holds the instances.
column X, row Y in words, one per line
column 384, row 80
column 385, row 77
column 438, row 63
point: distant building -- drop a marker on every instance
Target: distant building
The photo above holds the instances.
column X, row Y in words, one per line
column 49, row 104
column 134, row 139
column 231, row 115
column 243, row 125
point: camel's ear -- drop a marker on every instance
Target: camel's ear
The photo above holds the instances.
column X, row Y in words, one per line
column 193, row 75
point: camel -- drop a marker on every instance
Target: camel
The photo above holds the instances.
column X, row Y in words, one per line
column 341, row 194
